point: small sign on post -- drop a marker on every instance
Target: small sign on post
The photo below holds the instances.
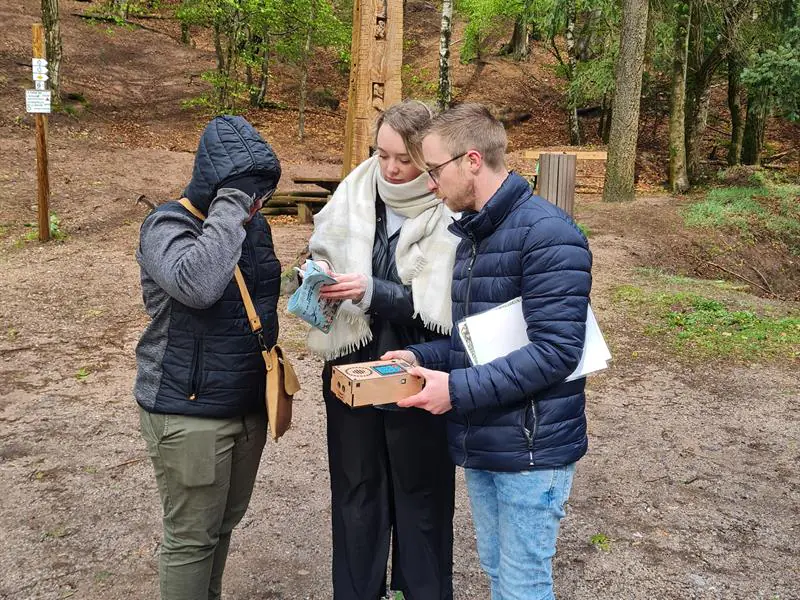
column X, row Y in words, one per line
column 37, row 102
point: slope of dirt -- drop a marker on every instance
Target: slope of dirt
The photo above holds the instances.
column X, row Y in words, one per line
column 691, row 475
column 763, row 264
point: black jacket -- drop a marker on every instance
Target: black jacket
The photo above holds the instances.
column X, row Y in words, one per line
column 391, row 311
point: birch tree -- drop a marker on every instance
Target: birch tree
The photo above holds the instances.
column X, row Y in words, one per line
column 444, row 94
column 572, row 61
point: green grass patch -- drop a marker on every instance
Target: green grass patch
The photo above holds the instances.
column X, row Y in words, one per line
column 752, row 211
column 56, row 233
column 705, row 327
column 601, row 541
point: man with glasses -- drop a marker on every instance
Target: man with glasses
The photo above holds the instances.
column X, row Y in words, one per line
column 514, row 424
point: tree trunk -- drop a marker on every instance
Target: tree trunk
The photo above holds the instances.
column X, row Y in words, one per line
column 218, row 47
column 444, row 93
column 753, row 138
column 604, row 126
column 606, row 133
column 698, row 120
column 185, row 37
column 301, row 109
column 520, row 39
column 619, row 180
column 263, row 79
column 735, row 106
column 601, row 125
column 572, row 108
column 678, row 176
column 52, row 36
column 701, row 71
column 251, row 88
column 252, row 91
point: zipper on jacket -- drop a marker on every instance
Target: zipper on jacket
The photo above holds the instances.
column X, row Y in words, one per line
column 533, row 434
column 529, row 437
column 469, row 272
column 196, row 373
column 466, row 313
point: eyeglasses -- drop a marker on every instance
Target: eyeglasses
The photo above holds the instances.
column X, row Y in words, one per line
column 434, row 172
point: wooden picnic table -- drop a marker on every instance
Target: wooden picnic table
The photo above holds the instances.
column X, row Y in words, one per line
column 328, row 183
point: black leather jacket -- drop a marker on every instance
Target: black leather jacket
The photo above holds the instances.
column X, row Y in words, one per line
column 391, row 310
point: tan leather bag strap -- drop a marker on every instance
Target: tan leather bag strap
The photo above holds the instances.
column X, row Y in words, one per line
column 252, row 315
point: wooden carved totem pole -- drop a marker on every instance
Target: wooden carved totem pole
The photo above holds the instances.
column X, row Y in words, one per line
column 375, row 68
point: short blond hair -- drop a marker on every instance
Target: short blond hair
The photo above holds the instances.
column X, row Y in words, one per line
column 408, row 118
column 471, row 126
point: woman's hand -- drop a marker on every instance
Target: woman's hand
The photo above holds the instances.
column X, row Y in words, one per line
column 348, row 286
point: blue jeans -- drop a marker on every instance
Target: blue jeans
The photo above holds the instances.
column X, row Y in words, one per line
column 516, row 518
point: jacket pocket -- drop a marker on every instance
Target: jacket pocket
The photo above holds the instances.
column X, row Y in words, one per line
column 196, row 373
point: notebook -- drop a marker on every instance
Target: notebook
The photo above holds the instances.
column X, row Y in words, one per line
column 501, row 330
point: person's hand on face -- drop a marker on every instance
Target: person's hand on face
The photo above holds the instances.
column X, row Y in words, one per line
column 257, row 204
column 348, row 286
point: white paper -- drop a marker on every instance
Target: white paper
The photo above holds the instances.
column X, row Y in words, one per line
column 595, row 354
column 501, row 330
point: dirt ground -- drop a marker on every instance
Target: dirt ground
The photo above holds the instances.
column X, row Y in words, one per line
column 692, row 471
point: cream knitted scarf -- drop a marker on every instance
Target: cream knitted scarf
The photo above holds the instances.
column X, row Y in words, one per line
column 344, row 233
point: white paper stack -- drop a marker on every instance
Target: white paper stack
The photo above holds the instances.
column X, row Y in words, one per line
column 501, row 330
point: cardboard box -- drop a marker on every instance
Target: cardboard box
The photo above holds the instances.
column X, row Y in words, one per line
column 374, row 382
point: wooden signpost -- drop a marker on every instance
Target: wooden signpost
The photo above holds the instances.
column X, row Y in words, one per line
column 375, row 70
column 37, row 101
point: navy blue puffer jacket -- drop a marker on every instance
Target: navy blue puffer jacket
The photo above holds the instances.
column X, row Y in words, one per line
column 516, row 413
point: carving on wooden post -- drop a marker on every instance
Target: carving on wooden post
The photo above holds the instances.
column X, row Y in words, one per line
column 377, row 96
column 375, row 70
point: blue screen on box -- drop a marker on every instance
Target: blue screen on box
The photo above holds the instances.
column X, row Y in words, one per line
column 388, row 369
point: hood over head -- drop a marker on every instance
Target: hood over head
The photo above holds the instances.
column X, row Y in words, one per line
column 231, row 151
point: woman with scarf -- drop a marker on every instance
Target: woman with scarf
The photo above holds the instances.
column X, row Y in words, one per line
column 384, row 237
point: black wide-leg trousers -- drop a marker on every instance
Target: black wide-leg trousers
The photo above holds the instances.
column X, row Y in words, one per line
column 390, row 473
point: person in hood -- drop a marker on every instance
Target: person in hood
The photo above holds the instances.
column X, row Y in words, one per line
column 201, row 376
column 384, row 236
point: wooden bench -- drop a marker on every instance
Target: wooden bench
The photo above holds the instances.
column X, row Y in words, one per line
column 327, row 183
column 296, row 203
